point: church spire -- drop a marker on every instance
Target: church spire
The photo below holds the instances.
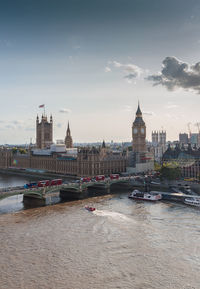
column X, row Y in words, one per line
column 68, row 130
column 68, row 138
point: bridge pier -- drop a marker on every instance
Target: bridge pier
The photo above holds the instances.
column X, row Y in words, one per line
column 31, row 202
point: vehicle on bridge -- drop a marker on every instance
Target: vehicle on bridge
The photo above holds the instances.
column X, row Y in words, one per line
column 56, row 182
column 85, row 180
column 44, row 183
column 31, row 185
column 100, row 178
column 114, row 176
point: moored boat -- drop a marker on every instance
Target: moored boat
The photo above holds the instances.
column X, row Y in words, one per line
column 145, row 196
column 192, row 201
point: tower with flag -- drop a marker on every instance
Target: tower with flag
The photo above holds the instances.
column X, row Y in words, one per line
column 44, row 130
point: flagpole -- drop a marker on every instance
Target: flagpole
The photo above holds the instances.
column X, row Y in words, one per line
column 44, row 109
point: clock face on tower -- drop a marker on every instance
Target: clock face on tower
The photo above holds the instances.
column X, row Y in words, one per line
column 135, row 130
column 142, row 130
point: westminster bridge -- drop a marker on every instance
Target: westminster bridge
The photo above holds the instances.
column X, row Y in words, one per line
column 43, row 192
column 74, row 191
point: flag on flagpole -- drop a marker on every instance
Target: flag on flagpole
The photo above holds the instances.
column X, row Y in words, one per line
column 42, row 105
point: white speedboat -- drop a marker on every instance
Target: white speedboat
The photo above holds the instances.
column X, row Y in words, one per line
column 192, row 201
column 151, row 196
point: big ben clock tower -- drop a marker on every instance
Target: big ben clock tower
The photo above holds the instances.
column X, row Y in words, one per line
column 139, row 133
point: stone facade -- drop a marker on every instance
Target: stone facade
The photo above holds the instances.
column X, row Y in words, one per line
column 44, row 132
column 89, row 162
column 159, row 144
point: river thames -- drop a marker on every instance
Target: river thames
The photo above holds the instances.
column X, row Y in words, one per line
column 123, row 244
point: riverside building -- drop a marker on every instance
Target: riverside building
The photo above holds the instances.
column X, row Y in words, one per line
column 187, row 159
column 62, row 158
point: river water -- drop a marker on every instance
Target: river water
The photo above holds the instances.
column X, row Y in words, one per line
column 123, row 244
column 12, row 180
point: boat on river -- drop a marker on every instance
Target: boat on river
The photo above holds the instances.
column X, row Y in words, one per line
column 192, row 201
column 91, row 209
column 145, row 196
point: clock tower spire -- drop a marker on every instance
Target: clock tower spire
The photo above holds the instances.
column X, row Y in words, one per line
column 139, row 133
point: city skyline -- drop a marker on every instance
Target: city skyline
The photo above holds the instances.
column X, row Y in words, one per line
column 91, row 62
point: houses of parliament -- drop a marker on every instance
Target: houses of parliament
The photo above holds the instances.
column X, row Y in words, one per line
column 63, row 158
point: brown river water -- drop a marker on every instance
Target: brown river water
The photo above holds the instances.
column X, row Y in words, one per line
column 123, row 244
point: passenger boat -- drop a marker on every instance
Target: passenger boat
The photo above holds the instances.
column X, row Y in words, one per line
column 91, row 209
column 151, row 196
column 192, row 201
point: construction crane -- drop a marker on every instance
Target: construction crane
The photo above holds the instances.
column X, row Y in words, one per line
column 189, row 130
column 198, row 126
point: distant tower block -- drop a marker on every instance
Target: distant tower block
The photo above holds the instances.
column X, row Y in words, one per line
column 68, row 138
column 139, row 133
column 162, row 137
column 158, row 138
column 154, row 137
column 44, row 132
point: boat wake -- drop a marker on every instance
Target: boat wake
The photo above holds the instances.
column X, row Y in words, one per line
column 113, row 215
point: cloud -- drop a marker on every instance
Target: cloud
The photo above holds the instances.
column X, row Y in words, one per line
column 131, row 76
column 169, row 106
column 127, row 108
column 8, row 126
column 16, row 122
column 177, row 74
column 107, row 69
column 29, row 128
column 130, row 71
column 59, row 125
column 64, row 110
column 18, row 125
column 150, row 113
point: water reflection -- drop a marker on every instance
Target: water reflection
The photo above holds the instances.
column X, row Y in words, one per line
column 11, row 204
column 12, row 180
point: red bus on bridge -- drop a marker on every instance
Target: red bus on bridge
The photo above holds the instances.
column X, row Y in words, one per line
column 44, row 183
column 100, row 178
column 86, row 179
column 114, row 176
column 56, row 182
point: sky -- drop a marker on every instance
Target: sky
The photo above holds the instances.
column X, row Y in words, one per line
column 91, row 61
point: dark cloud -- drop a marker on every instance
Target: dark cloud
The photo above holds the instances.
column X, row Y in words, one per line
column 131, row 76
column 130, row 70
column 177, row 74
